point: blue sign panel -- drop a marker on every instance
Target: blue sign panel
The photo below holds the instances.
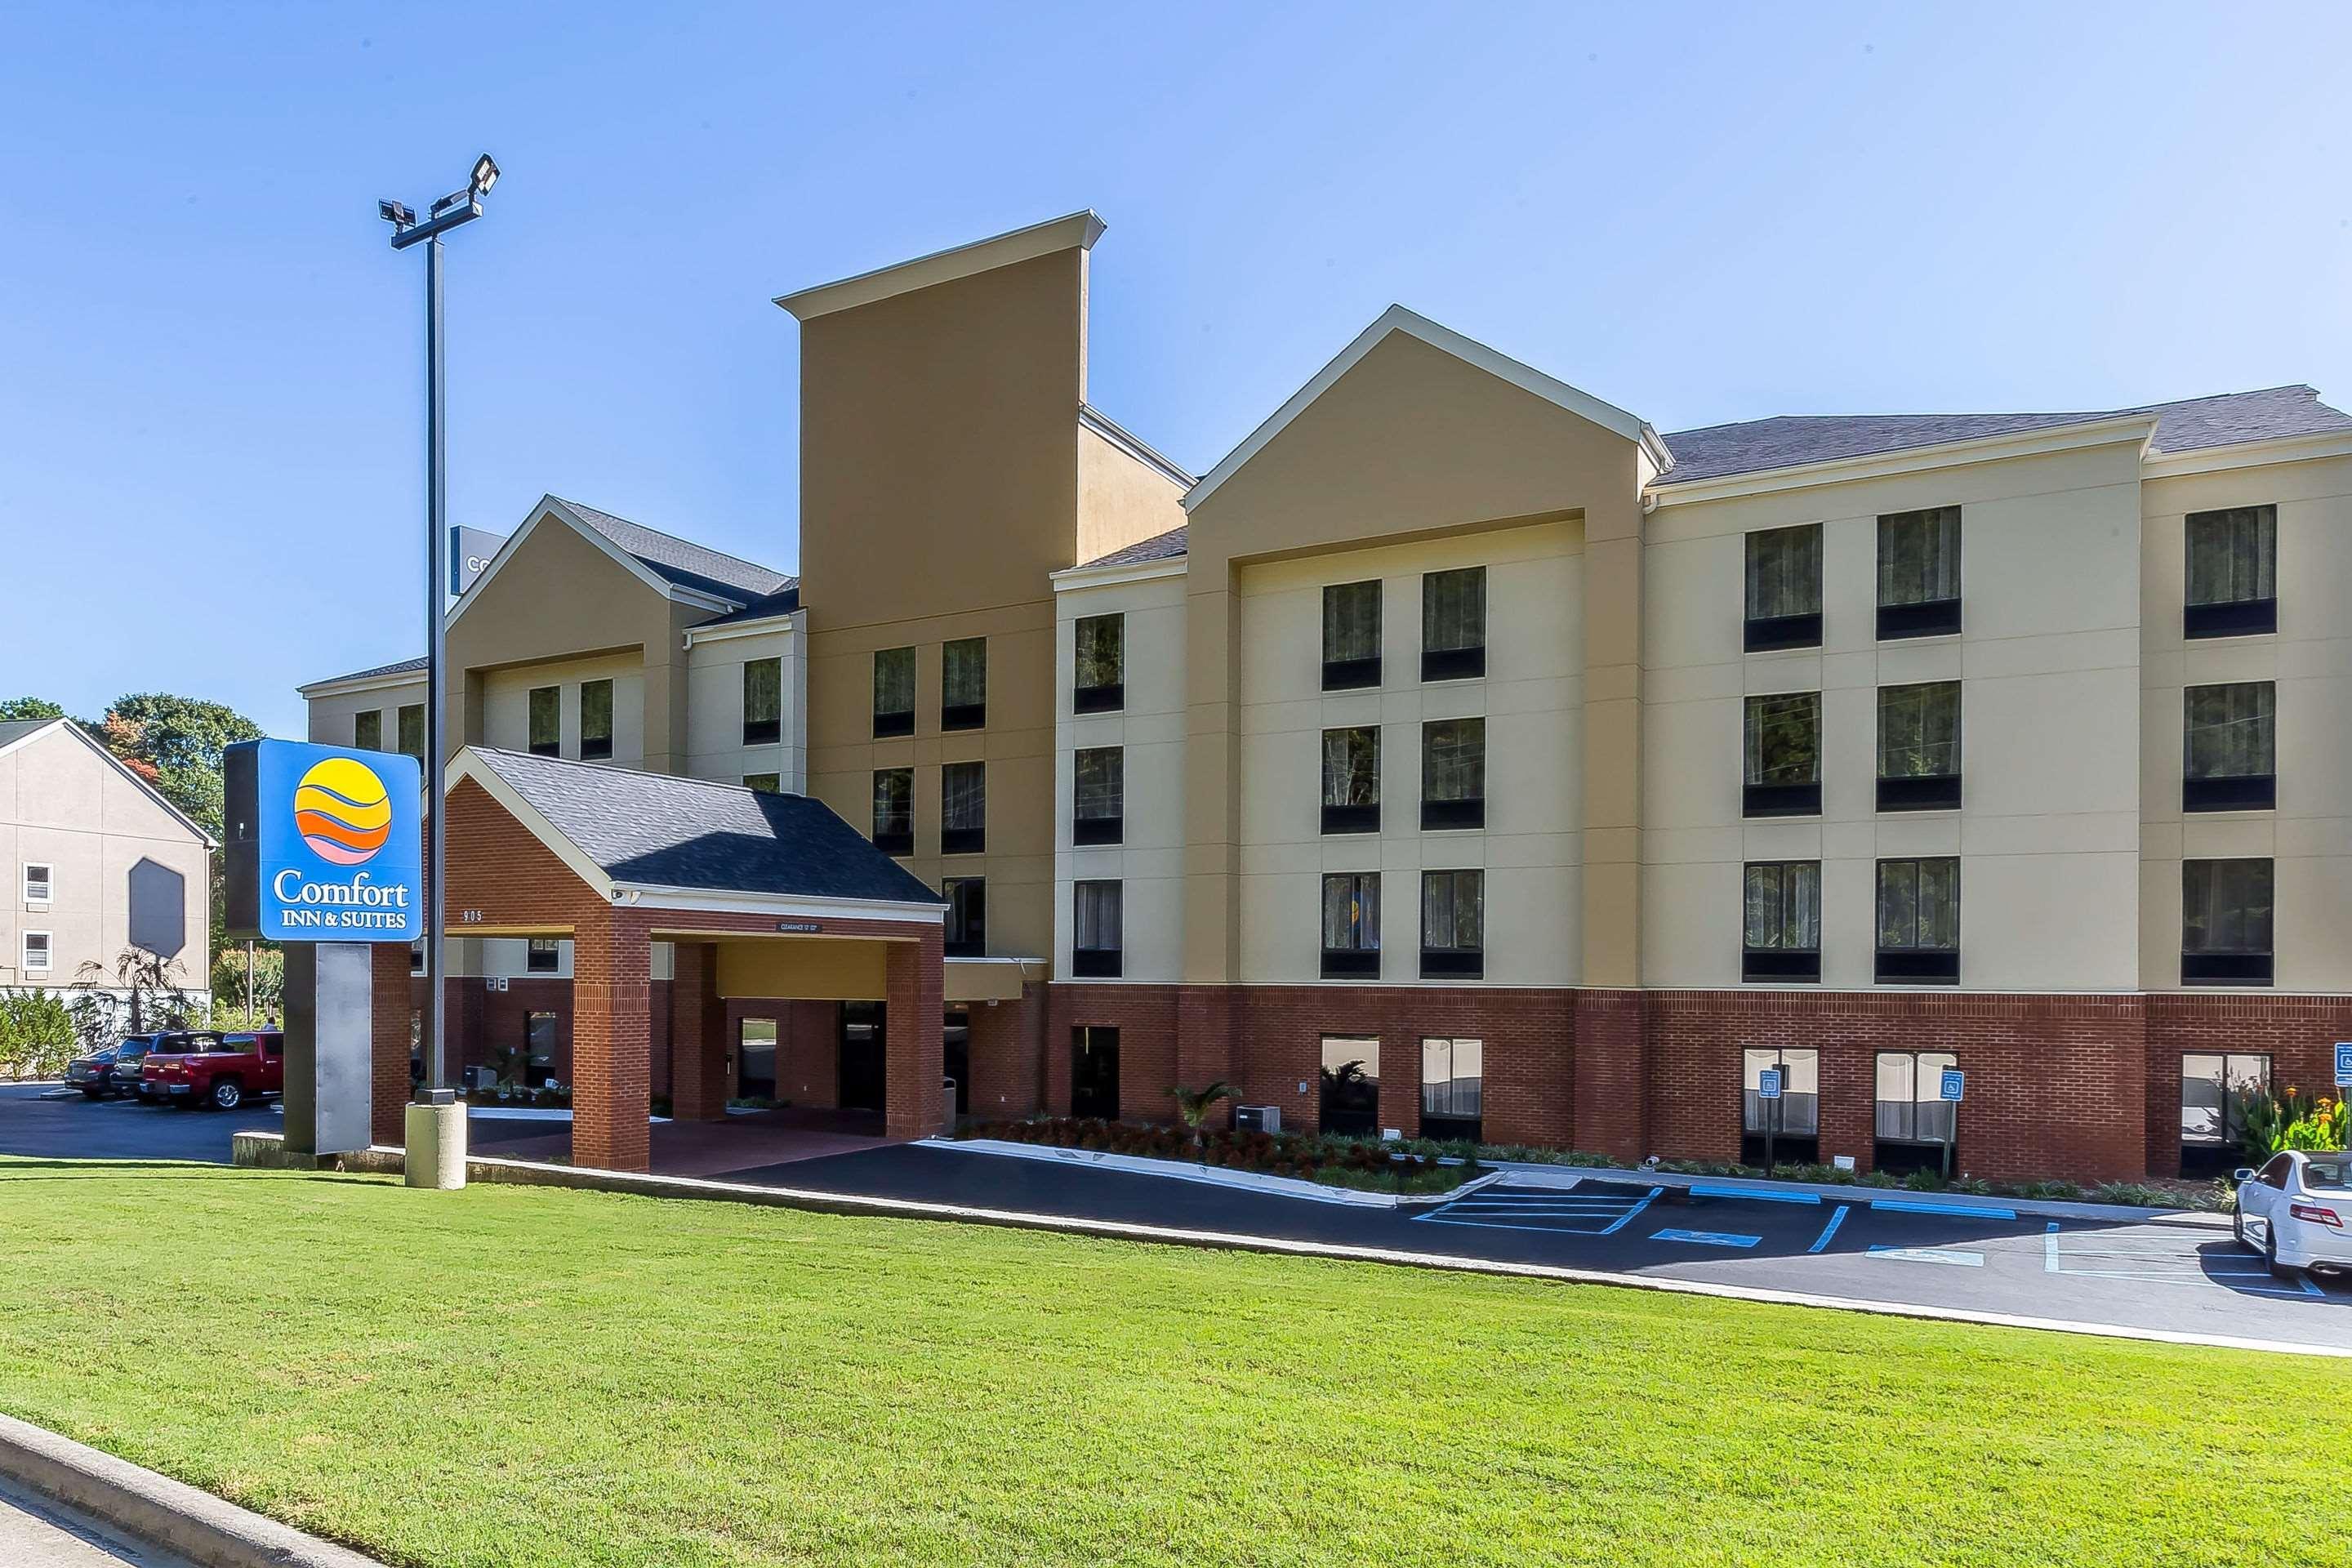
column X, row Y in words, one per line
column 340, row 855
column 1768, row 1084
column 1955, row 1082
column 2344, row 1064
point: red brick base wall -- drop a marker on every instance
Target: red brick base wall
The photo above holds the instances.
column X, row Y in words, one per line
column 2297, row 1033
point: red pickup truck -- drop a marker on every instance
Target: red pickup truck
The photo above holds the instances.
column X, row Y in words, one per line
column 222, row 1076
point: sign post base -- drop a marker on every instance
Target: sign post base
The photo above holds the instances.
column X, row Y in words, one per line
column 437, row 1142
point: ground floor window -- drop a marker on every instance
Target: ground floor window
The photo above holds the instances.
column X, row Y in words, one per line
column 1454, row 1088
column 755, row 1058
column 1352, row 1084
column 862, row 1078
column 1793, row 1123
column 1093, row 1072
column 541, row 1038
column 2214, row 1087
column 955, row 1061
column 1915, row 1121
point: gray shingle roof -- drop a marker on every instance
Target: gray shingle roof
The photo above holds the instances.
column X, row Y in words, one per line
column 783, row 604
column 1158, row 547
column 14, row 730
column 664, row 831
column 1754, row 445
column 404, row 666
column 689, row 564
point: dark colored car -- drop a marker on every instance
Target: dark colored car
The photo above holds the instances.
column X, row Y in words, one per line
column 93, row 1074
column 131, row 1056
column 223, row 1074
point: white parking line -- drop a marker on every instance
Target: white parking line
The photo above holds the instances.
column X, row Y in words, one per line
column 2162, row 1263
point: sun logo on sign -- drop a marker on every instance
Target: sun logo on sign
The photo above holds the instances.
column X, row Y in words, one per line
column 342, row 811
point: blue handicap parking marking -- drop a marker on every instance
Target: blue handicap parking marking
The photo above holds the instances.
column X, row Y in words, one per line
column 1705, row 1237
column 1949, row 1210
column 1950, row 1254
column 1560, row 1211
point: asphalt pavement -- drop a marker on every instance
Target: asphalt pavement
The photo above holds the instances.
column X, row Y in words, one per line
column 48, row 1121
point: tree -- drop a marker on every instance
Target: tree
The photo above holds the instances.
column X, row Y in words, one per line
column 233, row 1006
column 1193, row 1105
column 157, row 999
column 37, row 1034
column 29, row 708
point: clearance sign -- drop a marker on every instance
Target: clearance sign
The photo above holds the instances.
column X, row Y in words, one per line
column 324, row 844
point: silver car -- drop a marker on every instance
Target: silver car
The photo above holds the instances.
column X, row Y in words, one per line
column 2293, row 1211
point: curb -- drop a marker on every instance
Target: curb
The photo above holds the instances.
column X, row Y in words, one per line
column 156, row 1509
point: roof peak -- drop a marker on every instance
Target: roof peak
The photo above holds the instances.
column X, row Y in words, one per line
column 1076, row 230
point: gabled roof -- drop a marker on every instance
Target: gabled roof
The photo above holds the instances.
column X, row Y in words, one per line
column 405, row 666
column 1754, row 445
column 1077, row 230
column 658, row 831
column 18, row 732
column 683, row 561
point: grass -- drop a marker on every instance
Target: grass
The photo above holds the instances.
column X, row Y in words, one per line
column 527, row 1378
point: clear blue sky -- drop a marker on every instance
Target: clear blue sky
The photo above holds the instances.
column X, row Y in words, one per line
column 210, row 361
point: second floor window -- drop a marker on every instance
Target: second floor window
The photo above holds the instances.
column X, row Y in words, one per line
column 1784, row 588
column 967, row 932
column 1781, row 921
column 2225, row 923
column 412, row 731
column 1454, row 774
column 963, row 684
column 2233, row 569
column 595, row 719
column 40, row 883
column 1351, row 635
column 1453, row 924
column 2231, row 747
column 894, row 810
column 1919, row 746
column 544, row 956
column 1351, row 925
column 1351, row 780
column 1781, row 741
column 367, row 729
column 964, row 808
column 1919, row 922
column 1096, row 940
column 1100, row 683
column 1098, row 797
column 547, row 722
column 894, row 692
column 1919, row 573
column 763, row 702
column 1454, row 624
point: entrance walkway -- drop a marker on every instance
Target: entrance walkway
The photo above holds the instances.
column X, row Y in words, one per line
column 745, row 1138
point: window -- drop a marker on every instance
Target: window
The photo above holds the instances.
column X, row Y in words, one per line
column 1784, row 588
column 1453, row 924
column 2225, row 923
column 1351, row 925
column 1919, row 574
column 367, row 731
column 1351, row 780
column 1095, row 947
column 1793, row 1121
column 1454, row 624
column 1093, row 1072
column 1454, row 774
column 964, row 691
column 41, row 884
column 894, row 692
column 764, row 783
column 1352, row 1085
column 1101, row 684
column 2233, row 572
column 416, row 956
column 894, row 810
column 544, row 957
column 547, row 722
column 967, row 934
column 1099, row 801
column 1782, row 741
column 595, row 719
column 36, row 952
column 755, row 1058
column 541, row 1033
column 2214, row 1089
column 1351, row 635
column 964, row 808
column 1919, row 746
column 2231, row 750
column 1914, row 1123
column 412, row 731
column 1919, row 922
column 1782, row 921
column 763, row 702
column 1453, row 1089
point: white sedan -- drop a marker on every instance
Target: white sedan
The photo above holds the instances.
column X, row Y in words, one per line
column 2293, row 1211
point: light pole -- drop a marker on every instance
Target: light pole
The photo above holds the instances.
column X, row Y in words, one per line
column 439, row 1091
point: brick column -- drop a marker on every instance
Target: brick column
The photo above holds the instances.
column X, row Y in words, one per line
column 612, row 1055
column 1204, row 1045
column 1610, row 1103
column 391, row 1001
column 698, row 1034
column 914, row 1048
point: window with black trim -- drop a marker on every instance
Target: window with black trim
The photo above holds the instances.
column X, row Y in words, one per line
column 1794, row 1119
column 547, row 722
column 1100, row 686
column 2233, row 572
column 1351, row 1085
column 1351, row 635
column 1099, row 799
column 2216, row 1088
column 1781, row 921
column 894, row 810
column 894, row 692
column 1782, row 744
column 963, row 684
column 1454, row 774
column 967, row 931
column 1913, row 1120
column 763, row 702
column 1453, row 925
column 595, row 719
column 544, row 955
column 1351, row 925
column 2230, row 747
column 412, row 729
column 1453, row 1089
column 1919, row 574
column 1351, row 780
column 1919, row 922
column 1454, row 624
column 1919, row 746
column 1097, row 941
column 543, row 1036
column 367, row 731
column 1784, row 588
column 2225, row 923
column 964, row 808
column 416, row 956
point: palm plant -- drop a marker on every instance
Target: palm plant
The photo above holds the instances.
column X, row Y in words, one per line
column 1193, row 1105
column 139, row 971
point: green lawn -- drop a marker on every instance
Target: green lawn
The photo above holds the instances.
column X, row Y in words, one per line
column 514, row 1376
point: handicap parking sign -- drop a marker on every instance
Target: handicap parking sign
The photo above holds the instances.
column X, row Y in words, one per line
column 1768, row 1084
column 1955, row 1082
column 2344, row 1064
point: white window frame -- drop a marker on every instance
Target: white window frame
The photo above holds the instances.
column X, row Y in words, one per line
column 49, row 884
column 48, row 953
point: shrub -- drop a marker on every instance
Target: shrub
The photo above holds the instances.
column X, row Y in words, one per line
column 37, row 1034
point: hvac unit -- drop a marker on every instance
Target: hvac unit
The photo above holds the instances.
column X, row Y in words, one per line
column 1258, row 1119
